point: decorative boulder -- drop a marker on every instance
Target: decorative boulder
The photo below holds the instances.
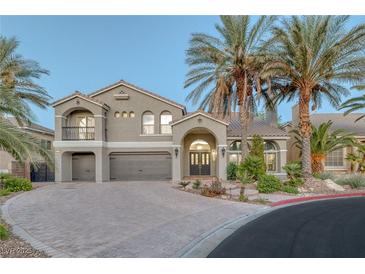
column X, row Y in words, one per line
column 332, row 185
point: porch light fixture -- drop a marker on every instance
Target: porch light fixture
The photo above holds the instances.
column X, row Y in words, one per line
column 176, row 152
column 223, row 151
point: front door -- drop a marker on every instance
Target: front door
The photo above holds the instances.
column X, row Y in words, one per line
column 199, row 163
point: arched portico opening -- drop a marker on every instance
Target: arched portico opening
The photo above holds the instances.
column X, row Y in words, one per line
column 199, row 159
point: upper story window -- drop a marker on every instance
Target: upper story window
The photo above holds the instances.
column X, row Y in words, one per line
column 165, row 120
column 148, row 123
column 117, row 114
column 46, row 144
column 131, row 114
column 85, row 121
column 124, row 114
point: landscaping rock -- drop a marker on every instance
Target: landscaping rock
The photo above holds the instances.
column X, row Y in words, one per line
column 314, row 185
column 332, row 185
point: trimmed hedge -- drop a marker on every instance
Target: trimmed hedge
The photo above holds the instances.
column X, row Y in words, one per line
column 268, row 184
column 15, row 184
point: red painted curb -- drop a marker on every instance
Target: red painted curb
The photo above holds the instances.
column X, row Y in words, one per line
column 319, row 197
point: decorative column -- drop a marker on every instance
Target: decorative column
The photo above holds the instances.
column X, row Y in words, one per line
column 222, row 162
column 176, row 155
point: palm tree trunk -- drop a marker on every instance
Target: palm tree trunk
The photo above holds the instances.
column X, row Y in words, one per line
column 305, row 131
column 317, row 163
column 241, row 82
column 244, row 124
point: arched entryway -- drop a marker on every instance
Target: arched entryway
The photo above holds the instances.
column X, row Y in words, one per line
column 199, row 153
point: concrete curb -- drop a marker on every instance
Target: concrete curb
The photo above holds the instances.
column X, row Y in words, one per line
column 23, row 234
column 207, row 242
column 317, row 198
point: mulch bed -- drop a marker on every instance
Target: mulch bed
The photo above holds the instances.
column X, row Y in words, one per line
column 14, row 247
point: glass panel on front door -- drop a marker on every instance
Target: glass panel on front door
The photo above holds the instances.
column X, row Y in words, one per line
column 199, row 163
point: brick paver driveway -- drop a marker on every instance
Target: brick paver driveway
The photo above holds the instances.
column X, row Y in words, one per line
column 119, row 219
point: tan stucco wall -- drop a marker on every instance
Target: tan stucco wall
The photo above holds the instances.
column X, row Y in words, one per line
column 193, row 125
column 130, row 129
column 79, row 104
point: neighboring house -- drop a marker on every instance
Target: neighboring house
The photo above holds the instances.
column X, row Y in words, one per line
column 123, row 132
column 42, row 173
column 335, row 161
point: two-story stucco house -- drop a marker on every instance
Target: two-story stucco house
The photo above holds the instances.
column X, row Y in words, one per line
column 123, row 132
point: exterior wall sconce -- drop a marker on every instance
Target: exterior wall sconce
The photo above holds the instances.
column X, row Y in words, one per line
column 223, row 151
column 176, row 152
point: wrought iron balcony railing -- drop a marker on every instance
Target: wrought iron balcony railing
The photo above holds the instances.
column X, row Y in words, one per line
column 78, row 133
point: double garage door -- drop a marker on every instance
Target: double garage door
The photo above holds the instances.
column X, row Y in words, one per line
column 140, row 166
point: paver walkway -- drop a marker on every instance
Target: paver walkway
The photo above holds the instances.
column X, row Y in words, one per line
column 120, row 219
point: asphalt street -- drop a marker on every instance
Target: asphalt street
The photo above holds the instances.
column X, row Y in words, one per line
column 331, row 228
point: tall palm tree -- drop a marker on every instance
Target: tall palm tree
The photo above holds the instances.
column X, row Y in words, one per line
column 17, row 92
column 354, row 104
column 228, row 66
column 315, row 56
column 324, row 141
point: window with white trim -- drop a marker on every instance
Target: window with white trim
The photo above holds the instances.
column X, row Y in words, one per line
column 334, row 158
column 165, row 120
column 148, row 123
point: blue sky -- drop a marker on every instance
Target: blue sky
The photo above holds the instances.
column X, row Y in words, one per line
column 89, row 52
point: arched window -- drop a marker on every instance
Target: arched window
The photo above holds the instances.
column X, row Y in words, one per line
column 124, row 114
column 234, row 152
column 165, row 120
column 131, row 114
column 148, row 123
column 117, row 114
column 271, row 156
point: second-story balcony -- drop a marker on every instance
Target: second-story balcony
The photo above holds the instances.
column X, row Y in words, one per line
column 78, row 133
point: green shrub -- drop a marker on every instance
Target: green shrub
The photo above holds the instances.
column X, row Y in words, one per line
column 290, row 189
column 15, row 184
column 243, row 198
column 324, row 176
column 355, row 181
column 257, row 147
column 4, row 192
column 293, row 169
column 232, row 171
column 184, row 184
column 295, row 182
column 197, row 184
column 4, row 234
column 251, row 169
column 268, row 184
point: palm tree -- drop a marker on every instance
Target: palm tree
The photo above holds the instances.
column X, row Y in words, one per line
column 228, row 67
column 353, row 159
column 354, row 104
column 17, row 92
column 314, row 57
column 324, row 141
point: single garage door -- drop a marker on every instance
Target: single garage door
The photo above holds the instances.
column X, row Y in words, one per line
column 140, row 166
column 83, row 167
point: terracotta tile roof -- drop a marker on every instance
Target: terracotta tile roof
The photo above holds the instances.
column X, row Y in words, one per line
column 258, row 126
column 81, row 95
column 122, row 82
column 341, row 122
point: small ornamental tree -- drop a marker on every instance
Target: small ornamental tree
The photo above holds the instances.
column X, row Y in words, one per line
column 257, row 148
